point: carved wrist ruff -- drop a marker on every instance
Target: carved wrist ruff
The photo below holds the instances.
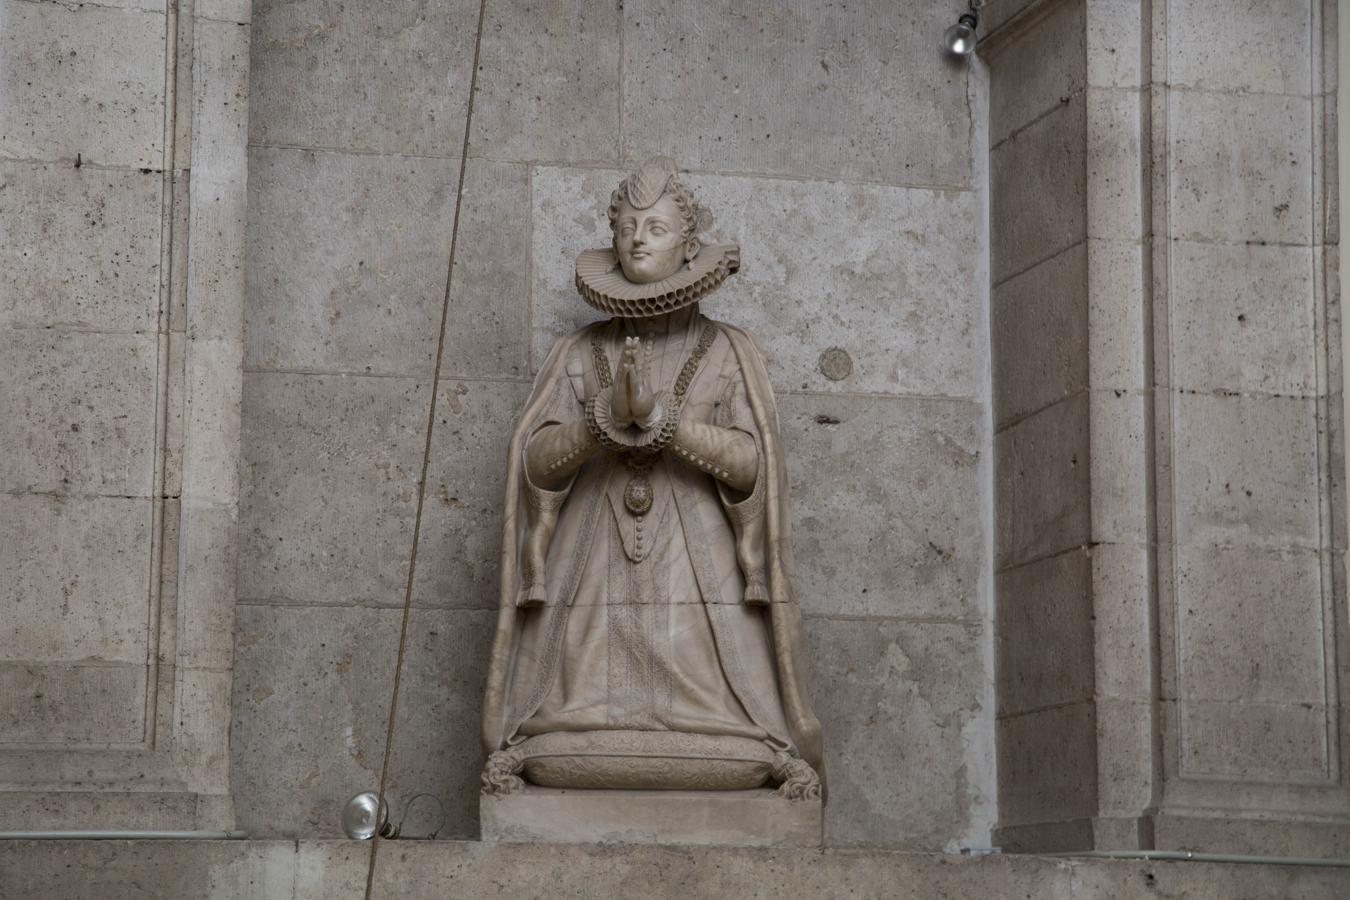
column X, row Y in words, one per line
column 632, row 439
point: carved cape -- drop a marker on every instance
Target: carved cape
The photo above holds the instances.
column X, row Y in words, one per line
column 764, row 543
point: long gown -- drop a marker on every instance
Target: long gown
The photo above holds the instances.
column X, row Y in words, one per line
column 645, row 627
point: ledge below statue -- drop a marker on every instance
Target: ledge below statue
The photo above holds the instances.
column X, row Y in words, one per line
column 755, row 818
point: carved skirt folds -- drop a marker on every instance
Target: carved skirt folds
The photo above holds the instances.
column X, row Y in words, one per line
column 639, row 650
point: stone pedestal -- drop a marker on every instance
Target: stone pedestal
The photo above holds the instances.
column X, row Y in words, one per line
column 758, row 818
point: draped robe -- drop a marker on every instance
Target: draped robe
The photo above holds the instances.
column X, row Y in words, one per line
column 683, row 619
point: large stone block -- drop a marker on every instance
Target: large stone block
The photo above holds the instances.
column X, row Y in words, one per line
column 1326, row 160
column 218, row 194
column 758, row 818
column 789, row 91
column 82, row 81
column 1240, row 168
column 1116, row 305
column 549, row 81
column 205, row 570
column 568, row 215
column 77, row 578
column 1245, row 470
column 886, row 499
column 1044, row 633
column 421, row 870
column 996, row 14
column 1122, row 619
column 1047, row 764
column 57, row 704
column 1115, row 166
column 903, row 708
column 487, row 331
column 233, row 11
column 389, row 79
column 312, row 688
column 436, row 747
column 77, row 412
column 1121, row 465
column 326, row 870
column 347, row 258
column 1115, row 30
column 1038, row 67
column 201, row 729
column 1261, row 837
column 142, row 5
column 424, row 871
column 1250, row 741
column 459, row 546
column 1250, row 625
column 134, row 870
column 330, row 479
column 1040, row 335
column 131, row 810
column 212, row 414
column 81, row 248
column 1260, row 48
column 855, row 268
column 1241, row 318
column 668, row 873
column 1041, row 483
column 1128, row 879
column 1038, row 190
column 1126, row 735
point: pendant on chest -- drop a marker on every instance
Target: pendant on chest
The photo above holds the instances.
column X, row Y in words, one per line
column 640, row 497
column 637, row 495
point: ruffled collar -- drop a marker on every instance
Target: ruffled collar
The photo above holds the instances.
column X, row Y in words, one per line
column 602, row 284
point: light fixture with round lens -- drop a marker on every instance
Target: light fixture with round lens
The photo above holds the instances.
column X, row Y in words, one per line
column 365, row 815
column 960, row 38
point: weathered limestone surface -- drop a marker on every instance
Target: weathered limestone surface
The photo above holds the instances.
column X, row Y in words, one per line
column 112, row 214
column 868, row 294
column 1184, row 516
column 685, row 818
column 830, row 280
column 122, row 167
column 422, row 870
column 777, row 91
column 331, row 466
column 346, row 260
column 88, row 81
column 324, row 77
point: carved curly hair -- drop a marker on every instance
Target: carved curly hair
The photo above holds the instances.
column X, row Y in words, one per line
column 691, row 214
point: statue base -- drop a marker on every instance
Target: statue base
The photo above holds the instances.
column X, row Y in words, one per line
column 754, row 818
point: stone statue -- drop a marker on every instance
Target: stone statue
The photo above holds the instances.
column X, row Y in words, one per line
column 649, row 637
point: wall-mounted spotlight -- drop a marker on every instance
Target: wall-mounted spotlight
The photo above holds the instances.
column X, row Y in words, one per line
column 366, row 815
column 959, row 40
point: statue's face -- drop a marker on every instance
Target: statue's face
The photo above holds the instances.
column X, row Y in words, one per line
column 648, row 242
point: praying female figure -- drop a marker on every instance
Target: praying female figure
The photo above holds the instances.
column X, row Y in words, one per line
column 648, row 635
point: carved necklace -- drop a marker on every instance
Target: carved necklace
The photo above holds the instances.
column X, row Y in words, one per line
column 639, row 458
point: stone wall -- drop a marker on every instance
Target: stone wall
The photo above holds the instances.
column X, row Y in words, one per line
column 122, row 170
column 422, row 870
column 1070, row 398
column 846, row 154
column 1254, row 639
column 1167, row 392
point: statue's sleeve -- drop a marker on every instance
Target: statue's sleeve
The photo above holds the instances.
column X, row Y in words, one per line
column 746, row 511
column 556, row 446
